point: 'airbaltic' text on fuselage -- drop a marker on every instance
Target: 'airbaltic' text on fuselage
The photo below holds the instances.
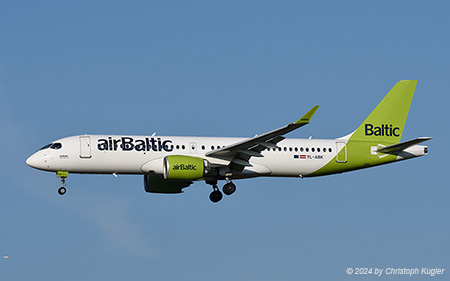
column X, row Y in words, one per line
column 130, row 144
column 383, row 130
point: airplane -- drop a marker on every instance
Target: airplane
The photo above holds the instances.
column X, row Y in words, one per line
column 170, row 163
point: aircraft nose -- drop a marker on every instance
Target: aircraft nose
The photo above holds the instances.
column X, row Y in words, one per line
column 31, row 161
column 35, row 161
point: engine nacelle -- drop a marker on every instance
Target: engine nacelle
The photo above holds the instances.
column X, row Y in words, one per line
column 156, row 184
column 181, row 167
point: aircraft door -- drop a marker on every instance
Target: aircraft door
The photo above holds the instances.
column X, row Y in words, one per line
column 341, row 148
column 193, row 147
column 85, row 147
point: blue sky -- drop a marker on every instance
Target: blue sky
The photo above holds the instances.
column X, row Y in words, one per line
column 220, row 68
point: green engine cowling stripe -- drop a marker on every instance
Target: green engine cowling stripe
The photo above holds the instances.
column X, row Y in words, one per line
column 180, row 167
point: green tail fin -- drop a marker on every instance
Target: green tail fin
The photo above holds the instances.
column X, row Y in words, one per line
column 387, row 120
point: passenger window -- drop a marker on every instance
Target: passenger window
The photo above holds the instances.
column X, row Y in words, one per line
column 307, row 149
column 318, row 149
column 301, row 149
column 329, row 150
column 312, row 149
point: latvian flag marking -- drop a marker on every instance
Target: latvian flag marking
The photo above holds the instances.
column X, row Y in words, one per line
column 299, row 156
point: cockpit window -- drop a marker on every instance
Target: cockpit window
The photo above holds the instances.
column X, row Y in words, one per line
column 56, row 145
column 47, row 146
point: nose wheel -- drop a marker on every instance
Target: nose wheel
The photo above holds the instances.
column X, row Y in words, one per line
column 62, row 190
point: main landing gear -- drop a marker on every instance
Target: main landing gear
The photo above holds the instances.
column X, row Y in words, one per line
column 216, row 195
column 229, row 188
column 63, row 175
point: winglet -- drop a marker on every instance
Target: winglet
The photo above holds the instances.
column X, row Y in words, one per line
column 307, row 117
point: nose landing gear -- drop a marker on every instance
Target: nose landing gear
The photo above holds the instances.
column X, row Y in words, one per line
column 63, row 175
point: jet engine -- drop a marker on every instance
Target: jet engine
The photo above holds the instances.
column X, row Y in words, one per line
column 181, row 167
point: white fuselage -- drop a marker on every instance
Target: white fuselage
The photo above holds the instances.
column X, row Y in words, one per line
column 109, row 154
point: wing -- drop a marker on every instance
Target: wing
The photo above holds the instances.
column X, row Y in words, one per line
column 240, row 153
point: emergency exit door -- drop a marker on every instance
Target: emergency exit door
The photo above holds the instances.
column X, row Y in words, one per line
column 341, row 148
column 85, row 147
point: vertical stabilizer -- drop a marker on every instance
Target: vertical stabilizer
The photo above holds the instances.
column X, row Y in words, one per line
column 386, row 122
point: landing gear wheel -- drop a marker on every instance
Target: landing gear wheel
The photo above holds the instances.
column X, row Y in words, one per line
column 229, row 188
column 62, row 190
column 215, row 196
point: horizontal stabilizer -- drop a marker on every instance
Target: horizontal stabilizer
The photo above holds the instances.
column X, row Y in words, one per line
column 399, row 147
